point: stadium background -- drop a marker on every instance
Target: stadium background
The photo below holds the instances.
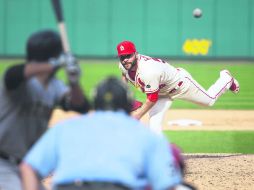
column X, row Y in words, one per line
column 164, row 28
column 222, row 38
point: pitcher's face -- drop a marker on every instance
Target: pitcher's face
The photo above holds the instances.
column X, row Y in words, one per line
column 127, row 60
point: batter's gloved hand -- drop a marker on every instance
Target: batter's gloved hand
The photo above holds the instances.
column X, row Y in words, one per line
column 60, row 61
column 73, row 70
column 71, row 65
column 63, row 60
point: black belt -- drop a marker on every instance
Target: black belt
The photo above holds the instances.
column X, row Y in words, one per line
column 9, row 158
column 92, row 185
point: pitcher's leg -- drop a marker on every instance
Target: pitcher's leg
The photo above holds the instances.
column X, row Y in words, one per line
column 197, row 94
column 157, row 113
column 192, row 91
column 223, row 83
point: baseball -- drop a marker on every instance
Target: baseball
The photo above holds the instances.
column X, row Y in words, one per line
column 197, row 13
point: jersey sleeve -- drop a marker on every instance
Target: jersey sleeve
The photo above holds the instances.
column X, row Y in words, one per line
column 151, row 71
column 151, row 80
column 14, row 76
column 153, row 97
column 60, row 88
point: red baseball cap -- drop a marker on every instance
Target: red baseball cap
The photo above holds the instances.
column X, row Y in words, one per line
column 125, row 48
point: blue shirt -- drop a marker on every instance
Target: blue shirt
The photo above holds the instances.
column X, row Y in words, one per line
column 104, row 146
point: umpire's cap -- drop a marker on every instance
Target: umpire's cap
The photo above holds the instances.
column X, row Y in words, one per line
column 112, row 94
column 43, row 45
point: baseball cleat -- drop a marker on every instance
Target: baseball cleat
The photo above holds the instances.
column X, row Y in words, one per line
column 235, row 87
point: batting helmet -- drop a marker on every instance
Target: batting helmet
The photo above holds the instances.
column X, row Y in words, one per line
column 125, row 48
column 43, row 45
column 112, row 94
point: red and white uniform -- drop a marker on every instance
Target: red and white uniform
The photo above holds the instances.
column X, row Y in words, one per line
column 155, row 75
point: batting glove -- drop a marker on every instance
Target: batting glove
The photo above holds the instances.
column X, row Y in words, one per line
column 71, row 65
column 61, row 61
column 72, row 69
column 69, row 59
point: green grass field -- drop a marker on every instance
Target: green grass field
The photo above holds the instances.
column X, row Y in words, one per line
column 213, row 141
column 205, row 73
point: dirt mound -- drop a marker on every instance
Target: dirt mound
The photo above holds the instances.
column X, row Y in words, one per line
column 211, row 119
column 220, row 171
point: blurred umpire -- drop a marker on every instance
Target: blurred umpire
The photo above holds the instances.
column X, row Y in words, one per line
column 29, row 92
column 105, row 150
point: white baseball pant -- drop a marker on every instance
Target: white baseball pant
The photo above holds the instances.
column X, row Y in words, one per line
column 192, row 91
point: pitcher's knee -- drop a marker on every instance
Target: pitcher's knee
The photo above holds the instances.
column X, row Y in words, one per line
column 211, row 103
column 208, row 104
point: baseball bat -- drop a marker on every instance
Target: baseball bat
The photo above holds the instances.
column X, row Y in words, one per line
column 61, row 25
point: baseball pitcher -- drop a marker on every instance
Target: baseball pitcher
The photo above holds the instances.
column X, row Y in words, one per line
column 162, row 83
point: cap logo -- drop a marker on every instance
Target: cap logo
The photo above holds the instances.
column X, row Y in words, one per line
column 121, row 47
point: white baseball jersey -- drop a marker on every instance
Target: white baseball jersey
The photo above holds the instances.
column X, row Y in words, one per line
column 153, row 75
